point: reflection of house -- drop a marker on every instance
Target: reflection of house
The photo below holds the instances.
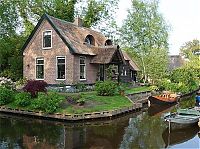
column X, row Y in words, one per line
column 175, row 61
column 61, row 51
column 32, row 143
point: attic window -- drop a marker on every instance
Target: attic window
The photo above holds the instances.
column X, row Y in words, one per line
column 47, row 39
column 89, row 39
column 108, row 42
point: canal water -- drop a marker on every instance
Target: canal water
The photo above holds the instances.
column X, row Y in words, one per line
column 141, row 130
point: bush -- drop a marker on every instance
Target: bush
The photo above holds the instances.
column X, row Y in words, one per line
column 106, row 88
column 80, row 86
column 6, row 95
column 73, row 98
column 23, row 99
column 35, row 86
column 48, row 103
column 7, row 83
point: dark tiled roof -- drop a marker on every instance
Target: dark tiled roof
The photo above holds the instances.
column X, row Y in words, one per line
column 131, row 62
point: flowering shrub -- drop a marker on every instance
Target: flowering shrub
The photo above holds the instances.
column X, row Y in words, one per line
column 7, row 83
column 35, row 86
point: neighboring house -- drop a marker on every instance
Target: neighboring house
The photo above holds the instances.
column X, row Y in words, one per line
column 61, row 52
column 175, row 61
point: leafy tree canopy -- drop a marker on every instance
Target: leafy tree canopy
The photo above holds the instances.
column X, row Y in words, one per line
column 145, row 33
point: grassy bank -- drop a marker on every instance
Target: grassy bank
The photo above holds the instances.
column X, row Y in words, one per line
column 137, row 90
column 92, row 103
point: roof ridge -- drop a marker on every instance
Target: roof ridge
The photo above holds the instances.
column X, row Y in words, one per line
column 71, row 23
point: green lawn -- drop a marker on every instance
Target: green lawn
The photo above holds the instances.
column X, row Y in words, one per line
column 137, row 89
column 94, row 103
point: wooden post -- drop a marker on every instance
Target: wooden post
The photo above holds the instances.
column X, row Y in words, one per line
column 169, row 126
column 149, row 103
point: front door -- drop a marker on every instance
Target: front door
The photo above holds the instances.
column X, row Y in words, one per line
column 102, row 72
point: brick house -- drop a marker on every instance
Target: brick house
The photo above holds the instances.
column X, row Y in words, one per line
column 58, row 51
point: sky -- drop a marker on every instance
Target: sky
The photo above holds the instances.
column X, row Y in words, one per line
column 183, row 16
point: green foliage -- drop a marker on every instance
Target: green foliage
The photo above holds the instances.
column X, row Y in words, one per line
column 180, row 80
column 11, row 56
column 73, row 98
column 81, row 101
column 21, row 82
column 48, row 103
column 8, row 18
column 190, row 48
column 145, row 35
column 6, row 95
column 80, row 86
column 106, row 88
column 23, row 99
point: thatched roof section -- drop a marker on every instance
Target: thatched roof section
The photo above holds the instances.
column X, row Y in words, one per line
column 131, row 62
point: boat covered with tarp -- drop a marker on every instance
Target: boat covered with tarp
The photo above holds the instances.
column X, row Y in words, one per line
column 183, row 116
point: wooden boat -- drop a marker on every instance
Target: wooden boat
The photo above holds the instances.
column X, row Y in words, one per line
column 164, row 99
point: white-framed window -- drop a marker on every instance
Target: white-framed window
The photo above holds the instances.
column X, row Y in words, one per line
column 124, row 72
column 40, row 68
column 47, row 39
column 60, row 67
column 82, row 68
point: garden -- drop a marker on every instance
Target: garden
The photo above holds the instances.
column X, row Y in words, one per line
column 33, row 95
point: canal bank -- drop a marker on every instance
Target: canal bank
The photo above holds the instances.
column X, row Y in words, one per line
column 138, row 100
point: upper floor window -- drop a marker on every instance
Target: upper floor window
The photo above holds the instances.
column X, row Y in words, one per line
column 61, row 67
column 40, row 68
column 82, row 68
column 47, row 39
column 89, row 39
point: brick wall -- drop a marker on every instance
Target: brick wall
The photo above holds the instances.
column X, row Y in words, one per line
column 34, row 50
column 91, row 70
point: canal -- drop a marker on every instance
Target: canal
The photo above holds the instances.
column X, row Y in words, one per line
column 141, row 130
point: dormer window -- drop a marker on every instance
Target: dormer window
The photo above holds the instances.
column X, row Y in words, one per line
column 108, row 42
column 89, row 39
column 47, row 39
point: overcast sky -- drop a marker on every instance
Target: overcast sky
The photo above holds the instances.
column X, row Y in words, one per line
column 182, row 15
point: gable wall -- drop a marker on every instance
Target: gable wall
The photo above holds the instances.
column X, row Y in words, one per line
column 34, row 50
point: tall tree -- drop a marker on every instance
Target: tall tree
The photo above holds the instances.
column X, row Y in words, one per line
column 8, row 18
column 191, row 52
column 144, row 32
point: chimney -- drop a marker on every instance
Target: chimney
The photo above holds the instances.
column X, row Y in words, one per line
column 79, row 22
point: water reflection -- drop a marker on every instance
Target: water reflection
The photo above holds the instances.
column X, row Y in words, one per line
column 134, row 131
column 179, row 136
